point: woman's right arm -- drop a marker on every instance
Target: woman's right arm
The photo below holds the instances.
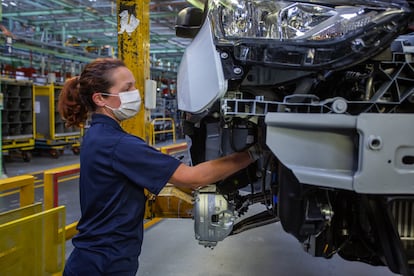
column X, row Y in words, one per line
column 211, row 171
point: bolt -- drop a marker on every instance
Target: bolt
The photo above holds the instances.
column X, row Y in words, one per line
column 237, row 70
column 224, row 55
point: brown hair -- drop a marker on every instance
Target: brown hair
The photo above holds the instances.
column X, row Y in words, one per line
column 75, row 99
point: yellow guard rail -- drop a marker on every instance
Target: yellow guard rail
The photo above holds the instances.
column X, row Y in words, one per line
column 153, row 132
column 31, row 240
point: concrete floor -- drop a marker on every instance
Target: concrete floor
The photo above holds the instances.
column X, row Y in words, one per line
column 170, row 249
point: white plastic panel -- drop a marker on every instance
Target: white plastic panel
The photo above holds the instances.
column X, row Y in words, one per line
column 200, row 80
column 150, row 94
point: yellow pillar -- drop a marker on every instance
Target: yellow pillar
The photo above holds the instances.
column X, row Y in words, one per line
column 133, row 49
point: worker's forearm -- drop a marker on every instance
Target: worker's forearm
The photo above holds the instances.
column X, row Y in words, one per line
column 212, row 171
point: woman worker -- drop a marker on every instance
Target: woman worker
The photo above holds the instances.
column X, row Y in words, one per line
column 116, row 167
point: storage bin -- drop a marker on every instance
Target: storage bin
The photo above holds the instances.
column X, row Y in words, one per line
column 26, row 117
column 27, row 129
column 12, row 90
column 13, row 116
column 26, row 104
column 12, row 103
column 14, row 129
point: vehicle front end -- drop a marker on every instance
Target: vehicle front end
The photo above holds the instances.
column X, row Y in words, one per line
column 327, row 89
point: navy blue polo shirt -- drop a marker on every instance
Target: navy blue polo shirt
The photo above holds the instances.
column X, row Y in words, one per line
column 115, row 167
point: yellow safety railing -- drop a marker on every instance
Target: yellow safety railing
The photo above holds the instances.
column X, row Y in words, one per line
column 50, row 181
column 34, row 244
column 32, row 241
column 51, row 191
column 153, row 132
column 21, row 212
column 25, row 183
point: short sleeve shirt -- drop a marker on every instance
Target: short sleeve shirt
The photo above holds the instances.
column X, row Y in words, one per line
column 115, row 168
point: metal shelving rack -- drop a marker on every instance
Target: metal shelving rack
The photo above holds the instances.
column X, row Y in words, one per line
column 18, row 121
column 51, row 133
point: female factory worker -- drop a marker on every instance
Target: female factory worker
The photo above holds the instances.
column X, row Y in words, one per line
column 116, row 167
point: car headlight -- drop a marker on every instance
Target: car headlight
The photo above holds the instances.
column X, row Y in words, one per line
column 307, row 34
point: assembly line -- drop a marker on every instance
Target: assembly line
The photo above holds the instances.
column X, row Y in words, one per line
column 207, row 137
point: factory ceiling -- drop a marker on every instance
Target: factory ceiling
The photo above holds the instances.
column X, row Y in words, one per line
column 79, row 30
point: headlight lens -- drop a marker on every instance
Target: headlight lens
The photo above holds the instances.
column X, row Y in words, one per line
column 287, row 20
column 316, row 28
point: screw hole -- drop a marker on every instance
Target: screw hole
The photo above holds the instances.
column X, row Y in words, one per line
column 375, row 142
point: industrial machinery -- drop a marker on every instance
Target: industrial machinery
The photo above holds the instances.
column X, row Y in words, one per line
column 327, row 89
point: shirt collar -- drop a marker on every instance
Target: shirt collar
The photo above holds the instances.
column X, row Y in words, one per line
column 104, row 119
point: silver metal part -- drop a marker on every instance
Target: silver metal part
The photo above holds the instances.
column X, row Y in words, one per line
column 369, row 153
column 213, row 217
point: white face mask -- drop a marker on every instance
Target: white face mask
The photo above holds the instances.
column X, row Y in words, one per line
column 130, row 104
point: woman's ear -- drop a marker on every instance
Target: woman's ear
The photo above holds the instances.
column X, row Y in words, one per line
column 98, row 99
